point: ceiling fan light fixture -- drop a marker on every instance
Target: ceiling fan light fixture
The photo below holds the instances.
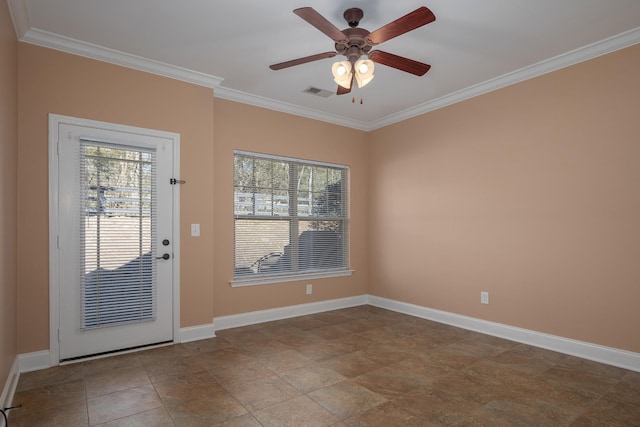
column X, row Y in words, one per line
column 364, row 71
column 342, row 73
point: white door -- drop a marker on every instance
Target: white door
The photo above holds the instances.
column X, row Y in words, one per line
column 115, row 255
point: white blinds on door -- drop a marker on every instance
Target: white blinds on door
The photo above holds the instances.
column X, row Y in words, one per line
column 118, row 233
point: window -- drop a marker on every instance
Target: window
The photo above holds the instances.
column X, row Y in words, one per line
column 291, row 219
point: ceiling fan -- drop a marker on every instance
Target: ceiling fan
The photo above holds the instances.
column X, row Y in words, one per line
column 355, row 43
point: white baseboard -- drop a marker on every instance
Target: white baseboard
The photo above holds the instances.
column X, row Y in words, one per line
column 34, row 361
column 196, row 333
column 10, row 387
column 608, row 355
column 251, row 318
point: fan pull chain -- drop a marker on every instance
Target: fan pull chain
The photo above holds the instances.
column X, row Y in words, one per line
column 353, row 100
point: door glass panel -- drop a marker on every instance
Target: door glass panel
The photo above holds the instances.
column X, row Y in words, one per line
column 118, row 231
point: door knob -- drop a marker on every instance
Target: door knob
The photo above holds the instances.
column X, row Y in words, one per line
column 165, row 256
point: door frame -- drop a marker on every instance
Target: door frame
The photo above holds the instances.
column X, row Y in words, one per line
column 54, row 258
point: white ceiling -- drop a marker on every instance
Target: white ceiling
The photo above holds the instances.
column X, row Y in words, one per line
column 473, row 46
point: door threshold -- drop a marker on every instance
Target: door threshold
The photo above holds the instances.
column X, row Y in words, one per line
column 102, row 355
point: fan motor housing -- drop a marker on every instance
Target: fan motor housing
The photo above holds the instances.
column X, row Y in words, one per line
column 356, row 38
column 353, row 16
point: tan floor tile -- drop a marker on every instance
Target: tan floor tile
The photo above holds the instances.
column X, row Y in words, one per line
column 325, row 350
column 450, row 359
column 387, row 415
column 299, row 339
column 298, row 412
column 332, row 332
column 382, row 335
column 240, row 373
column 122, row 403
column 627, row 390
column 525, row 411
column 347, row 398
column 206, row 411
column 351, row 365
column 262, row 393
column 388, row 353
column 111, row 363
column 55, row 375
column 592, row 368
column 404, row 371
column 436, row 406
column 178, row 388
column 188, row 364
column 611, row 414
column 74, row 414
column 246, row 420
column 51, row 396
column 470, row 388
column 361, row 325
column 225, row 358
column 283, row 361
column 205, row 346
column 590, row 385
column 388, row 382
column 164, row 353
column 106, row 382
column 158, row 417
column 312, row 377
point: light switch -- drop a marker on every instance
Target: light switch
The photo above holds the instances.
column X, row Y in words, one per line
column 195, row 230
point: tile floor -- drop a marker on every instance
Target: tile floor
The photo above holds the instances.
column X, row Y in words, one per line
column 361, row 366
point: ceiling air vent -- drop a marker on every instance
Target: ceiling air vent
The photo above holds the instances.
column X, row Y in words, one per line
column 318, row 92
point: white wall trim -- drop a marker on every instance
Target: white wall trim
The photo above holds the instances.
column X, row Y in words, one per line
column 283, row 107
column 19, row 16
column 33, row 361
column 254, row 317
column 607, row 355
column 610, row 356
column 196, row 333
column 602, row 47
column 112, row 56
column 10, row 385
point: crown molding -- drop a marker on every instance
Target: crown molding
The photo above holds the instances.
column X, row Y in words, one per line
column 19, row 16
column 100, row 53
column 270, row 104
column 611, row 44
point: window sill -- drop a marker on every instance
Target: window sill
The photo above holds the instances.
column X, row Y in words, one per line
column 268, row 280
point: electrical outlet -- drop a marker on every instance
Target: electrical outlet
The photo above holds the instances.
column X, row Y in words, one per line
column 484, row 297
column 309, row 289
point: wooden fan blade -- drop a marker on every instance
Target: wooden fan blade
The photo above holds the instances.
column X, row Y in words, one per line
column 411, row 21
column 344, row 90
column 399, row 62
column 304, row 60
column 310, row 15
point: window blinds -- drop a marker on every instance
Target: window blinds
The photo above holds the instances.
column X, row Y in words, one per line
column 118, row 231
column 290, row 216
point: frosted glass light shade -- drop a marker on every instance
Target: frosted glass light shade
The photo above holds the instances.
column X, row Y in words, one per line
column 364, row 71
column 342, row 73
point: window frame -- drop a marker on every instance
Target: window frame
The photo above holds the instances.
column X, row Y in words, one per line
column 293, row 218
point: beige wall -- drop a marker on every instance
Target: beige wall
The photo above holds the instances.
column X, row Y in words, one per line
column 242, row 127
column 531, row 193
column 55, row 82
column 8, row 197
